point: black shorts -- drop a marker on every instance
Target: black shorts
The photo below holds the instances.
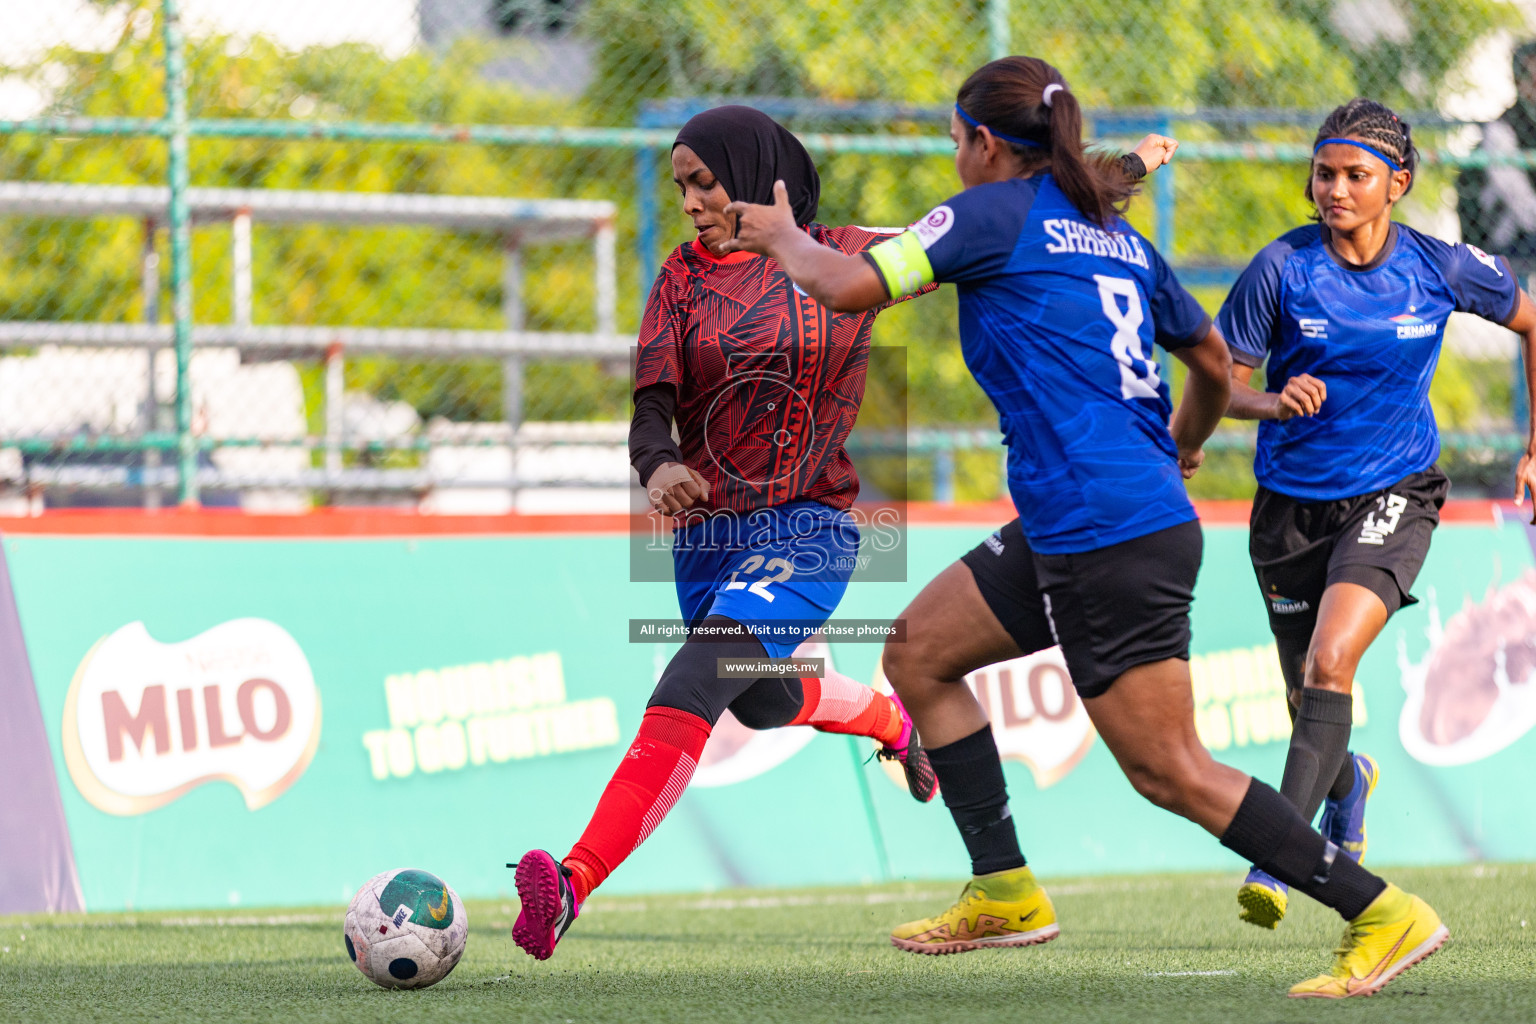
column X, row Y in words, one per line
column 1110, row 609
column 1377, row 540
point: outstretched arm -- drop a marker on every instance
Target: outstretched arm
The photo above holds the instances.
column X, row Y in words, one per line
column 1206, row 391
column 842, row 283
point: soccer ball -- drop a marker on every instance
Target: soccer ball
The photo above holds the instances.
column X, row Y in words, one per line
column 406, row 929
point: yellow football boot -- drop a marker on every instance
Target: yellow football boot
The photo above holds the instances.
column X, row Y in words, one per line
column 1395, row 932
column 1007, row 908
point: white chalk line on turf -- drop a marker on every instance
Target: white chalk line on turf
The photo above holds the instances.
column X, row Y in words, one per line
column 1189, row 974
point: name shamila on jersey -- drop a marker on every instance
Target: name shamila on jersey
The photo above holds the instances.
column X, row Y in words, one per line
column 1075, row 236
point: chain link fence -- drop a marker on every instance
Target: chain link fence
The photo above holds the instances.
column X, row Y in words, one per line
column 298, row 253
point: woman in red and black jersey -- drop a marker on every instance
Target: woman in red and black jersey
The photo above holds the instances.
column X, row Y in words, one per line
column 764, row 384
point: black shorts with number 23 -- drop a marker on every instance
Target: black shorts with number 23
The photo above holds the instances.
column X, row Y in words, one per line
column 1377, row 540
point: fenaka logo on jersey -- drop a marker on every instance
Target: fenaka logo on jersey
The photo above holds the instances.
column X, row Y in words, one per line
column 934, row 226
column 146, row 722
column 1311, row 327
column 1282, row 605
column 1410, row 326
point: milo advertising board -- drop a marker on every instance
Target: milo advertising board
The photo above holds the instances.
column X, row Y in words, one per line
column 198, row 722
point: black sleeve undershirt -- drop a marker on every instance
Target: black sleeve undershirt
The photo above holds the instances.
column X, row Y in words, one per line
column 650, row 430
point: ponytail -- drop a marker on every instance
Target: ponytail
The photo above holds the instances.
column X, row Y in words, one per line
column 1025, row 102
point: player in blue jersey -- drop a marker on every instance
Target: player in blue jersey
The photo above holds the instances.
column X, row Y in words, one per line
column 1060, row 302
column 1349, row 313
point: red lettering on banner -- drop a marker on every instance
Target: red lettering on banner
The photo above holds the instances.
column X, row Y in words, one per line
column 187, row 715
column 151, row 717
column 1011, row 716
column 1063, row 683
column 245, row 700
column 216, row 735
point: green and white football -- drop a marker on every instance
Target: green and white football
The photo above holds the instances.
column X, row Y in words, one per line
column 406, row 929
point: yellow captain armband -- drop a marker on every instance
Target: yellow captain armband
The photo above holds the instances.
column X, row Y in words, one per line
column 903, row 264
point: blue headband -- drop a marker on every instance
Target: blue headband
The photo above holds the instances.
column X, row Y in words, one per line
column 1378, row 154
column 968, row 119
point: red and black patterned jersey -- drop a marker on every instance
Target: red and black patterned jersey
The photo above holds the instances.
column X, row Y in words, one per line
column 768, row 380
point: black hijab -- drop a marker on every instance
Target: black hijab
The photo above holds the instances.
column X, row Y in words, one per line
column 747, row 151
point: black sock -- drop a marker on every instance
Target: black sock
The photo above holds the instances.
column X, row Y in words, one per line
column 1269, row 831
column 1319, row 743
column 970, row 778
column 1345, row 780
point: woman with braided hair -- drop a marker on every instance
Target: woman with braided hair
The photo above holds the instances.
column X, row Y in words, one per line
column 1349, row 312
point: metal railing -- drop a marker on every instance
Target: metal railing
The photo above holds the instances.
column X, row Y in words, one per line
column 177, row 207
column 518, row 222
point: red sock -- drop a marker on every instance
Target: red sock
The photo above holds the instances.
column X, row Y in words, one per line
column 836, row 703
column 653, row 774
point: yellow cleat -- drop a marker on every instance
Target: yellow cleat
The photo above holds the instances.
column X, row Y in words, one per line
column 1395, row 932
column 1262, row 899
column 1007, row 908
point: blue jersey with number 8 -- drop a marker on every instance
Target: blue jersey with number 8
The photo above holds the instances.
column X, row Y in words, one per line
column 1057, row 323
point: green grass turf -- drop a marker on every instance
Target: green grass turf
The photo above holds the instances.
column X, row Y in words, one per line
column 1143, row 949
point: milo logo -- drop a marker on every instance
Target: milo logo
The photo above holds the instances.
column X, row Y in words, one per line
column 146, row 721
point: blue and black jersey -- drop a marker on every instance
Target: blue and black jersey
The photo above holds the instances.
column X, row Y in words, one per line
column 1372, row 335
column 1057, row 322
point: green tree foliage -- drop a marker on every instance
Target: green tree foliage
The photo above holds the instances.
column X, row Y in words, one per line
column 88, row 270
column 1172, row 54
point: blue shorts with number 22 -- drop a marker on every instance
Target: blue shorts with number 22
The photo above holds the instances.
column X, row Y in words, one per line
column 778, row 571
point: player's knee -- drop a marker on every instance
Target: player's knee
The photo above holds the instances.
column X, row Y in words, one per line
column 1171, row 783
column 897, row 663
column 769, row 703
column 918, row 659
column 1331, row 666
column 754, row 717
column 1152, row 782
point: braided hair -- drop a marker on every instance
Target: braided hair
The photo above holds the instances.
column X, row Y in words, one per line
column 1375, row 124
